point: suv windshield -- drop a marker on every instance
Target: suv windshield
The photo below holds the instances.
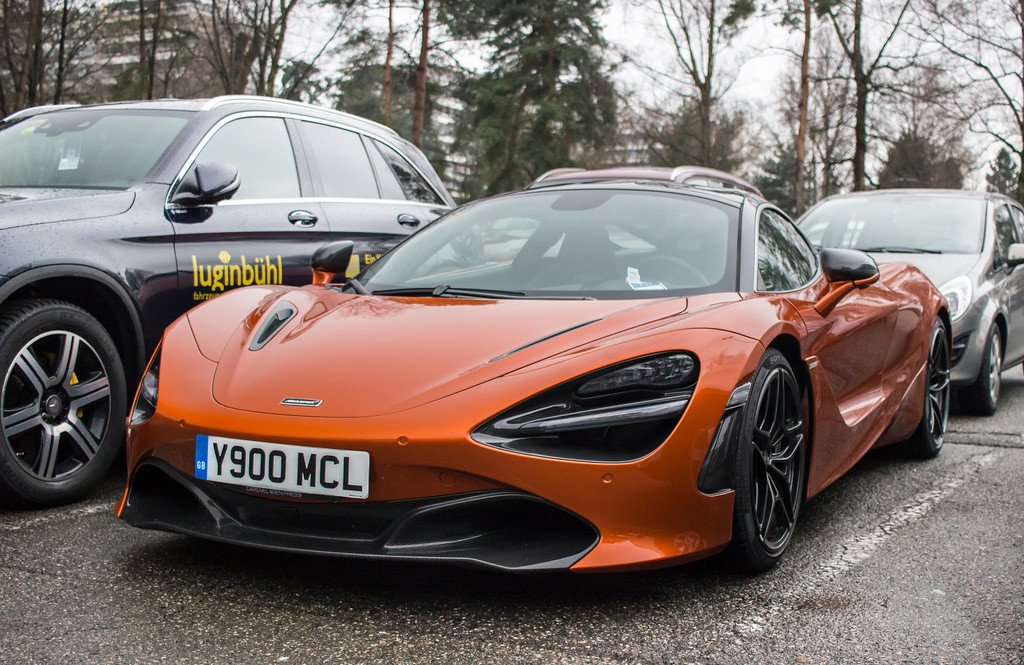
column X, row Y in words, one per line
column 86, row 148
column 586, row 243
column 894, row 223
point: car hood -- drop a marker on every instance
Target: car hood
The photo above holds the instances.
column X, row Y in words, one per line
column 939, row 268
column 368, row 355
column 23, row 206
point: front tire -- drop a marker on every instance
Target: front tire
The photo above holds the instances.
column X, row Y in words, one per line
column 926, row 442
column 62, row 403
column 982, row 397
column 770, row 466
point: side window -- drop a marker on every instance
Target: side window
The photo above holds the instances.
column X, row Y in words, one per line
column 784, row 259
column 413, row 186
column 1006, row 234
column 341, row 159
column 1018, row 221
column 262, row 152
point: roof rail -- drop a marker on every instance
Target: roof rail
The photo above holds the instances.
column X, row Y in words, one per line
column 559, row 171
column 34, row 110
column 223, row 100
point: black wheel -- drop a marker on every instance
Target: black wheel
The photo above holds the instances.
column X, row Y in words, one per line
column 982, row 397
column 63, row 403
column 926, row 441
column 770, row 466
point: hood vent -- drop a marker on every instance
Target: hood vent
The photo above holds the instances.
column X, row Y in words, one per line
column 272, row 324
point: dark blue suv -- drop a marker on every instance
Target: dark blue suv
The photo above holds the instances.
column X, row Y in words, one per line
column 116, row 218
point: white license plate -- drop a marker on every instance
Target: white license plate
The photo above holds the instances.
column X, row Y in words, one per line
column 341, row 473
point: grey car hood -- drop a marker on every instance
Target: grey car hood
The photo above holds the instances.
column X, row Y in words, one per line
column 939, row 268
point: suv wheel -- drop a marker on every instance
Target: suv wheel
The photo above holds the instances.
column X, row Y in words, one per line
column 63, row 403
column 981, row 397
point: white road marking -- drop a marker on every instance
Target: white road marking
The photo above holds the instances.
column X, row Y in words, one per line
column 859, row 548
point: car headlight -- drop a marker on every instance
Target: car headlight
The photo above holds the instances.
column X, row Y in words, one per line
column 958, row 293
column 617, row 414
column 145, row 399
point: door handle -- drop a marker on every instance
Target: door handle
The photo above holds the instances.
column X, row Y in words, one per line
column 302, row 218
column 407, row 220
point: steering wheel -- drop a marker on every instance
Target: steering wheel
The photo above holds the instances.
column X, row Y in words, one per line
column 672, row 271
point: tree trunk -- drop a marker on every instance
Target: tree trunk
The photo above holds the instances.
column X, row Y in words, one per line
column 386, row 92
column 34, row 53
column 58, row 85
column 860, row 131
column 801, row 131
column 420, row 88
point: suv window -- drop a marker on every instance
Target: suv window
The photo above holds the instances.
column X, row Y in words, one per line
column 414, row 187
column 262, row 152
column 784, row 259
column 341, row 159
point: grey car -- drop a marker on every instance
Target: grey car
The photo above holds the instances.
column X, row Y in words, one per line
column 969, row 245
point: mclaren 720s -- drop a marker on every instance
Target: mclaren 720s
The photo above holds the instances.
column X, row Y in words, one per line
column 581, row 376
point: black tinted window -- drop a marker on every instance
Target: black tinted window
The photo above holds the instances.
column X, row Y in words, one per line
column 413, row 185
column 345, row 170
column 262, row 152
column 784, row 259
column 1006, row 233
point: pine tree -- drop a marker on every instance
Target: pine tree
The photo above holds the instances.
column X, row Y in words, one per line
column 546, row 99
column 1002, row 177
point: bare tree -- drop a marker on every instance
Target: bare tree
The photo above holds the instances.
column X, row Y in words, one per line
column 699, row 31
column 420, row 86
column 867, row 65
column 985, row 37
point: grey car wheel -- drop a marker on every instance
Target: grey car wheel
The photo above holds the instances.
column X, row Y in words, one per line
column 62, row 403
column 982, row 397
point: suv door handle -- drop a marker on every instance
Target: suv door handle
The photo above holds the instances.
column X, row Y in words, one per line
column 302, row 218
column 405, row 219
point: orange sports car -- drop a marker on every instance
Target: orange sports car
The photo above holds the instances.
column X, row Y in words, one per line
column 583, row 376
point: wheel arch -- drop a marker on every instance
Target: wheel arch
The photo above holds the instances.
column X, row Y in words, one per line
column 97, row 293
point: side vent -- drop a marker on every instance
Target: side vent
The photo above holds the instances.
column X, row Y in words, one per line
column 272, row 324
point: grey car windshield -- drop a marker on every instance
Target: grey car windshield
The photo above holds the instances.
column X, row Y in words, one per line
column 913, row 223
column 590, row 243
column 86, row 148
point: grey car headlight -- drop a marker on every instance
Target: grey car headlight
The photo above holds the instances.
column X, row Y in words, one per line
column 958, row 293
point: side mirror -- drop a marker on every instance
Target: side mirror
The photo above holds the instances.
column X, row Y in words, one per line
column 845, row 270
column 848, row 265
column 1015, row 254
column 330, row 260
column 207, row 184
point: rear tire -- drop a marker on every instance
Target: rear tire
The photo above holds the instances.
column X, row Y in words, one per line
column 982, row 397
column 770, row 466
column 926, row 442
column 62, row 403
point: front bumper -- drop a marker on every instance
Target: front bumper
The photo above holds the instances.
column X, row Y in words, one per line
column 507, row 530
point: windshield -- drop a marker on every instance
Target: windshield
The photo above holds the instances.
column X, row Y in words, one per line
column 912, row 223
column 86, row 148
column 589, row 243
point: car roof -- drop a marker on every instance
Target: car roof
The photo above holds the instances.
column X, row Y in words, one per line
column 712, row 178
column 227, row 102
column 920, row 192
column 732, row 197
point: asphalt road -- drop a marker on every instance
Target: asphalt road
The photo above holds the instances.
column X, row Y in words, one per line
column 899, row 562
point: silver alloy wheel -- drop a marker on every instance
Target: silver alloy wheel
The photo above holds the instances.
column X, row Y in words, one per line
column 777, row 462
column 995, row 367
column 56, row 405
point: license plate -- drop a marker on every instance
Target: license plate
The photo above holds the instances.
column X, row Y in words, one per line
column 293, row 469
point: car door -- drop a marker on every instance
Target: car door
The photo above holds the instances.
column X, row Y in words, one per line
column 266, row 233
column 369, row 192
column 1010, row 229
column 853, row 344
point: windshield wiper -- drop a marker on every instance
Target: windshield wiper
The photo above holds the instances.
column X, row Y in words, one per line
column 448, row 291
column 901, row 250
